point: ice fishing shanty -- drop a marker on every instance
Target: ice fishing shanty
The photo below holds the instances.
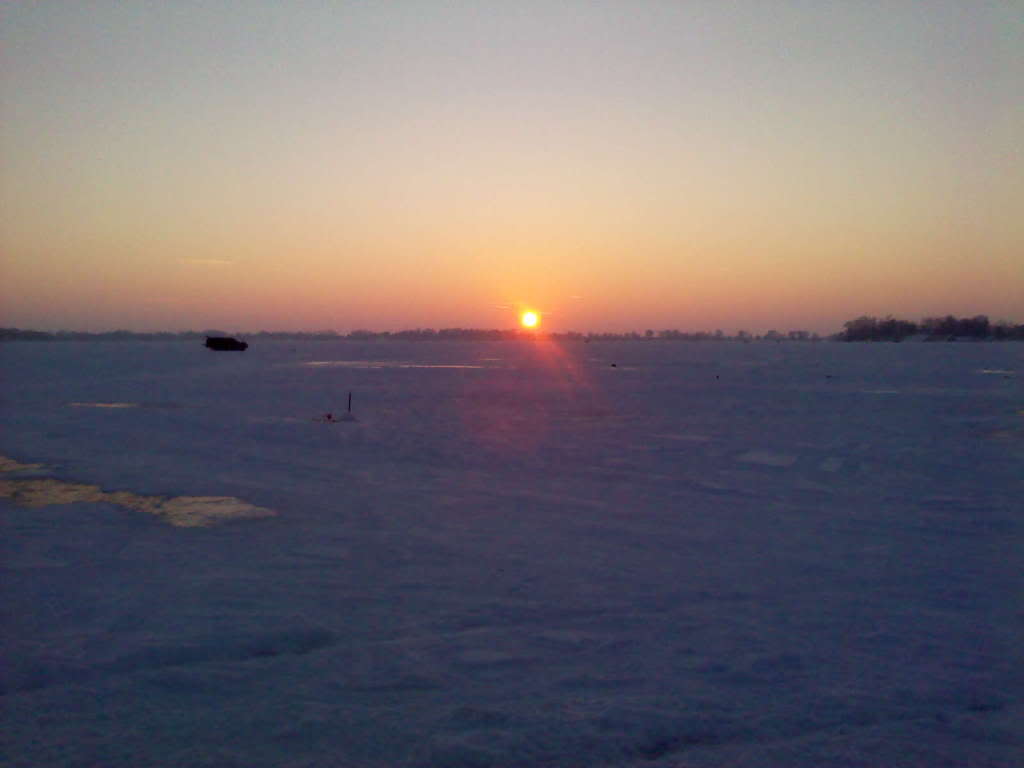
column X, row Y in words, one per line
column 225, row 344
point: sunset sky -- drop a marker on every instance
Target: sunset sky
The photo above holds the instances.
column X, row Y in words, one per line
column 613, row 165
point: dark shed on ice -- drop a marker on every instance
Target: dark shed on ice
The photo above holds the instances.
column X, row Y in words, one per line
column 225, row 344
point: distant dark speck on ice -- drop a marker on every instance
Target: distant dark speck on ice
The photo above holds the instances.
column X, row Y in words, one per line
column 225, row 344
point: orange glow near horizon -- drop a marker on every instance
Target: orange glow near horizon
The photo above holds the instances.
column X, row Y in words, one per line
column 440, row 170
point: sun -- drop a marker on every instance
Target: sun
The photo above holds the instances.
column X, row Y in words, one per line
column 529, row 319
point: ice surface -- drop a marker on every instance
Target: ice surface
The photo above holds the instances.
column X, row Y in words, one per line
column 183, row 511
column 708, row 555
column 768, row 458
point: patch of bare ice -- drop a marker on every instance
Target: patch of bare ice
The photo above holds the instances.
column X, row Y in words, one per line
column 831, row 464
column 685, row 437
column 180, row 511
column 103, row 405
column 118, row 405
column 768, row 459
column 10, row 465
column 372, row 364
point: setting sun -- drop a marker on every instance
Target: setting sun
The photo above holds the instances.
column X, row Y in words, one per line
column 529, row 319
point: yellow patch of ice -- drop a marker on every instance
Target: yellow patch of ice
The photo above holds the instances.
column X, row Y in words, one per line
column 180, row 511
column 198, row 511
column 10, row 465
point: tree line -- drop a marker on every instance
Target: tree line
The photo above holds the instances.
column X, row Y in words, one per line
column 948, row 328
column 864, row 328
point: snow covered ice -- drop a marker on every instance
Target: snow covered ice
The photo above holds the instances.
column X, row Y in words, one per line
column 713, row 554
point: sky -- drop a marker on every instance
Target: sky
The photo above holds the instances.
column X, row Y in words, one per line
column 612, row 165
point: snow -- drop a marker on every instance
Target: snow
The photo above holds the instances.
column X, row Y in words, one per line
column 518, row 555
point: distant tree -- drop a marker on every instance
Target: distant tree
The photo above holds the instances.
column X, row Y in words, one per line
column 862, row 328
column 976, row 327
column 891, row 329
column 16, row 334
column 952, row 327
column 940, row 326
column 1004, row 330
column 867, row 328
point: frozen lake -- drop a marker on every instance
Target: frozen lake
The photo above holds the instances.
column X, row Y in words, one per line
column 520, row 554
